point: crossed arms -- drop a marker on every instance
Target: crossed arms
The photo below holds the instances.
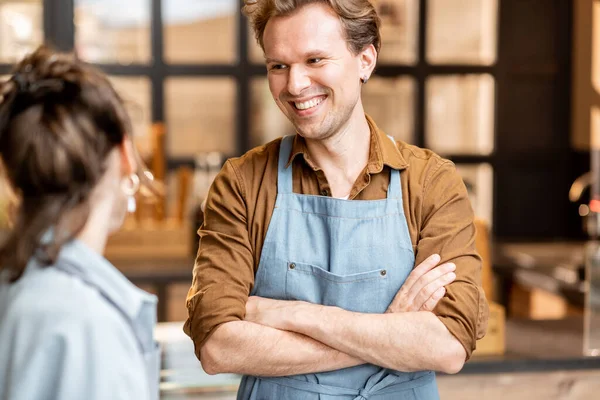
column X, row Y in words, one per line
column 234, row 333
column 295, row 337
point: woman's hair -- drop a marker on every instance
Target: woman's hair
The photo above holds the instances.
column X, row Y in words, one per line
column 59, row 120
column 359, row 19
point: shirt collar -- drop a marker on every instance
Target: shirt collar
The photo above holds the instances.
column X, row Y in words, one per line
column 383, row 151
column 97, row 271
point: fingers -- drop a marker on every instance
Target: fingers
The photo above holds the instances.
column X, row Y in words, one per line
column 421, row 269
column 417, row 273
column 423, row 282
column 432, row 290
column 425, row 286
column 430, row 304
column 404, row 298
column 428, row 283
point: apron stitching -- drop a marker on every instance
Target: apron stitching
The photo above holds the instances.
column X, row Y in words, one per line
column 342, row 217
column 382, row 278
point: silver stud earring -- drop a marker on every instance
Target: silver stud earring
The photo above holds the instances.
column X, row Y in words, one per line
column 364, row 80
column 131, row 185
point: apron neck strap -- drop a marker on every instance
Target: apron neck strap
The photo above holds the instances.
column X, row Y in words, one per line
column 284, row 174
column 394, row 188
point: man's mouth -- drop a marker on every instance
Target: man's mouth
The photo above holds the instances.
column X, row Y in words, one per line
column 307, row 105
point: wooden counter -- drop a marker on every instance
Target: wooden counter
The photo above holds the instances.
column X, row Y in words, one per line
column 544, row 361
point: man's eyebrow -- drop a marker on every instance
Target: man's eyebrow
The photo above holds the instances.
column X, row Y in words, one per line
column 315, row 54
column 310, row 54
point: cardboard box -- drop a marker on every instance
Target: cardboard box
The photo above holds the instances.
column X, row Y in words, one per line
column 494, row 342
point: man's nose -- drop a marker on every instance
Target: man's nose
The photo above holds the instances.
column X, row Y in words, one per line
column 298, row 80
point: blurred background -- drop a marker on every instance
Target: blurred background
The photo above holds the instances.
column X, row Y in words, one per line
column 507, row 89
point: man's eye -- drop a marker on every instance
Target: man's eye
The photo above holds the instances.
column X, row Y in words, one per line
column 277, row 66
column 314, row 60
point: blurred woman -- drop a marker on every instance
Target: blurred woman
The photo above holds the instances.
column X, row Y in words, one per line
column 71, row 325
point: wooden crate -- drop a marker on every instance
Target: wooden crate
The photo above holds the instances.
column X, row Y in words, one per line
column 494, row 342
column 538, row 304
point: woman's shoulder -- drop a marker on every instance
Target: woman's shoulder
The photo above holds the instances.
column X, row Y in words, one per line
column 53, row 320
column 50, row 300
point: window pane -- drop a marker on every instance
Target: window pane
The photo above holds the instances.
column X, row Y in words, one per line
column 390, row 102
column 399, row 29
column 268, row 122
column 460, row 114
column 480, row 185
column 462, row 31
column 136, row 92
column 113, row 31
column 21, row 28
column 200, row 31
column 200, row 116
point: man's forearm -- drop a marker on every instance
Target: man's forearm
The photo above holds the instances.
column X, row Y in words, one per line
column 409, row 341
column 247, row 348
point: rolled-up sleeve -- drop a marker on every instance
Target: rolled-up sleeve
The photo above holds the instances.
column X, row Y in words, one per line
column 448, row 229
column 223, row 271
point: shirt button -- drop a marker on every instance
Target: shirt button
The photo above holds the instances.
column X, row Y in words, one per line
column 324, row 192
column 292, row 266
column 383, row 272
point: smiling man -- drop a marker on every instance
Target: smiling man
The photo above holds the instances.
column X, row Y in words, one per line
column 305, row 280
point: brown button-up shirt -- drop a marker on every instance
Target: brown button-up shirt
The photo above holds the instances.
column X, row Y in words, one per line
column 242, row 198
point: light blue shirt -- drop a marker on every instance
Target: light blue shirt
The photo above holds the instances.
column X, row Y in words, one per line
column 81, row 335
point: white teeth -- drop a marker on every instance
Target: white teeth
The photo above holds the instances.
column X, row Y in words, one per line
column 308, row 104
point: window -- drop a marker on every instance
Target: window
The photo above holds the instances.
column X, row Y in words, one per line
column 21, row 28
column 194, row 65
column 200, row 31
column 199, row 116
column 474, row 43
column 113, row 31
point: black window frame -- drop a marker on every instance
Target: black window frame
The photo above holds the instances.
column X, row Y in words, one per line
column 59, row 31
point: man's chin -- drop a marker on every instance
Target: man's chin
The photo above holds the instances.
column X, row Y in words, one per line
column 308, row 134
column 309, row 131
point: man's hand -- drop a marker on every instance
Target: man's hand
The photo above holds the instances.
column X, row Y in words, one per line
column 424, row 287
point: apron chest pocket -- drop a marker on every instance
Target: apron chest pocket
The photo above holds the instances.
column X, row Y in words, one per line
column 364, row 292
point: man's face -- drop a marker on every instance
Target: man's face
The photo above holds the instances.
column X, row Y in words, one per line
column 313, row 76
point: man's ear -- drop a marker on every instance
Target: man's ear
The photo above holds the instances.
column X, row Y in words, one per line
column 368, row 60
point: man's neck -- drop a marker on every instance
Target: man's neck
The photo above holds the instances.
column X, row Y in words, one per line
column 344, row 155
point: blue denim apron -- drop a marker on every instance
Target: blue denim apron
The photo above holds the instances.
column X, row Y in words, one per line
column 350, row 254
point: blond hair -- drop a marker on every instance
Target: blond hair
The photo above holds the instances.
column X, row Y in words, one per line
column 359, row 19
